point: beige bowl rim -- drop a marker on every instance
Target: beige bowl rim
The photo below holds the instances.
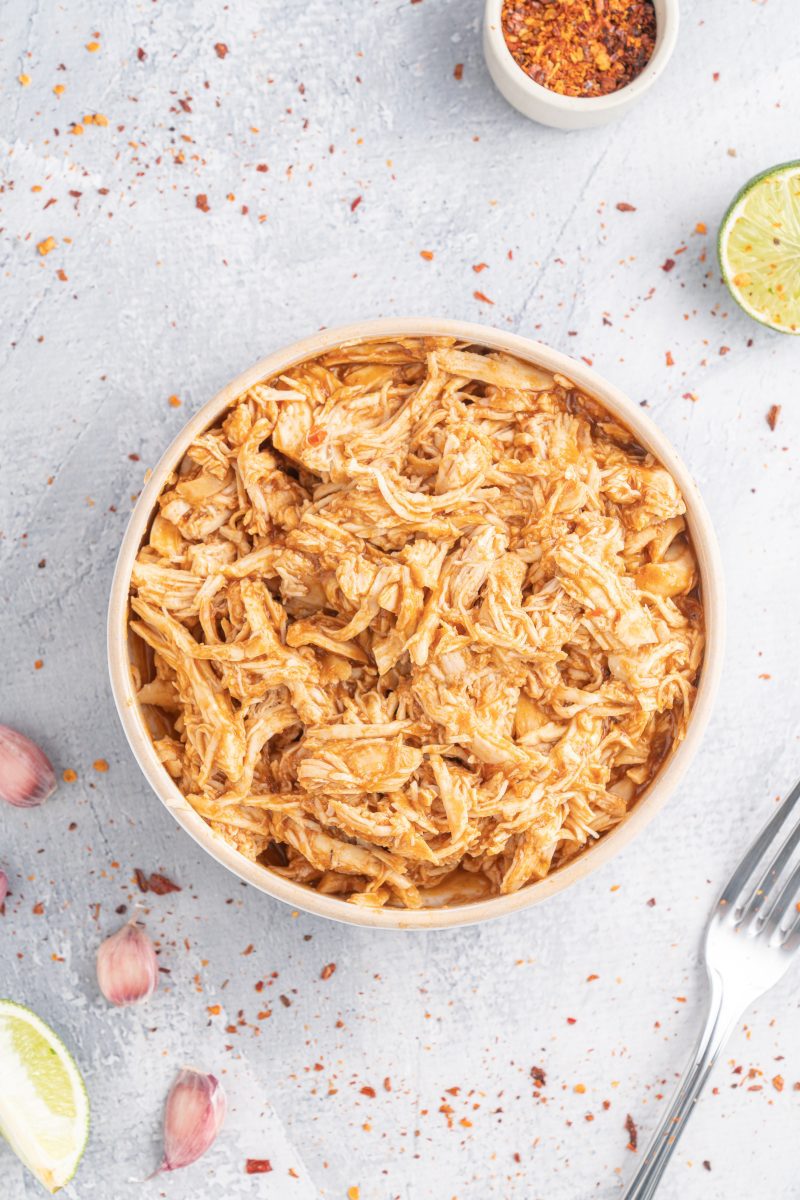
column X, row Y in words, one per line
column 665, row 783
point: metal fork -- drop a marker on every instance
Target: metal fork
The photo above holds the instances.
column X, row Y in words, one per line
column 750, row 942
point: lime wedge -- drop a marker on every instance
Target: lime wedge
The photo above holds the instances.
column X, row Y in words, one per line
column 44, row 1108
column 759, row 247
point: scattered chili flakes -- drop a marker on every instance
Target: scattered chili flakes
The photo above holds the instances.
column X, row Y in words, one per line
column 458, row 71
column 141, row 880
column 706, row 1164
column 38, row 664
column 201, row 202
column 69, row 776
column 427, row 255
column 772, row 415
column 327, row 971
column 580, row 49
column 355, row 203
column 777, row 1082
column 62, row 275
column 59, row 89
column 221, row 49
column 668, row 264
column 478, row 267
column 701, row 227
column 174, row 402
column 484, row 299
column 623, row 206
column 387, row 1084
column 285, row 1001
column 633, row 1133
column 100, row 765
column 162, row 886
column 141, row 54
column 213, row 1010
column 92, row 47
column 24, row 80
column 572, row 1020
column 580, row 1088
column 47, row 245
column 256, row 1166
column 38, row 908
column 669, row 359
column 366, row 1090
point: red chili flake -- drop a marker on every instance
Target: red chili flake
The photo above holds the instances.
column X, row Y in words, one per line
column 221, row 49
column 161, row 885
column 427, row 255
column 623, row 206
column 185, row 105
column 482, row 297
column 458, row 71
column 670, row 360
column 327, row 971
column 38, row 908
column 580, row 49
column 668, row 264
column 141, row 880
column 591, row 978
column 478, row 267
column 201, row 202
column 263, row 168
column 633, row 1133
column 257, row 1166
column 387, row 1084
column 141, row 54
column 724, row 349
column 249, row 949
column 715, row 76
column 706, row 1164
column 651, row 903
column 368, row 1091
column 285, row 1001
column 354, row 205
column 572, row 1020
column 538, row 1076
column 260, row 985
column 777, row 1082
column 772, row 415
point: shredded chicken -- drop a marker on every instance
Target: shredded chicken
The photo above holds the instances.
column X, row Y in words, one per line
column 415, row 613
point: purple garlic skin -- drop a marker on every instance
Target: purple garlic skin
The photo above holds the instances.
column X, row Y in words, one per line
column 127, row 967
column 195, row 1111
column 27, row 777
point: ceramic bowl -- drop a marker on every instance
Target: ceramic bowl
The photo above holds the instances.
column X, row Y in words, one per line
column 573, row 112
column 120, row 648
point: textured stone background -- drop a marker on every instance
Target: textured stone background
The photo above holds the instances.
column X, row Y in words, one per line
column 146, row 296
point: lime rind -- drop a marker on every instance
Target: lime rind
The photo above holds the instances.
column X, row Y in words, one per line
column 759, row 247
column 44, row 1105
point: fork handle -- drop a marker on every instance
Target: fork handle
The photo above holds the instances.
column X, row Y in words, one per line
column 724, row 1011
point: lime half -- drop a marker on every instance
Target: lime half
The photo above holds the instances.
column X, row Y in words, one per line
column 44, row 1109
column 759, row 247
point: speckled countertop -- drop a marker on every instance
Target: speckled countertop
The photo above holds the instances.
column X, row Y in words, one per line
column 332, row 144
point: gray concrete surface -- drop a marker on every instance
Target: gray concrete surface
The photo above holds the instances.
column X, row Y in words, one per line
column 147, row 296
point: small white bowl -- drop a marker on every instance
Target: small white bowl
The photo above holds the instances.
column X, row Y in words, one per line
column 572, row 112
column 464, row 913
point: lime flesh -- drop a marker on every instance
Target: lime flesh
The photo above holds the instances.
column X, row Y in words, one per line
column 44, row 1109
column 759, row 248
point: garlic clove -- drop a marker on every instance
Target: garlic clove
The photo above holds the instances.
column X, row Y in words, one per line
column 26, row 775
column 3, row 890
column 127, row 968
column 195, row 1111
